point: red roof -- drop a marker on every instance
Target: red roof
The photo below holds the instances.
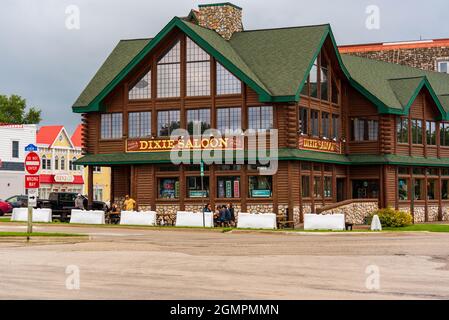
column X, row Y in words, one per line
column 76, row 136
column 394, row 45
column 47, row 134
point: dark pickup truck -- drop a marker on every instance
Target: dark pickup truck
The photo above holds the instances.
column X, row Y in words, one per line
column 62, row 203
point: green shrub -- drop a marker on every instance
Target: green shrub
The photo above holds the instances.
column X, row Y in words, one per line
column 391, row 218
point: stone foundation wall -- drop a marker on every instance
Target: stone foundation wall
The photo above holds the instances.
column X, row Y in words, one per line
column 420, row 214
column 260, row 208
column 165, row 209
column 445, row 213
column 433, row 214
column 355, row 212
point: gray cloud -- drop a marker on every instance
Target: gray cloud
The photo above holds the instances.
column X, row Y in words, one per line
column 50, row 65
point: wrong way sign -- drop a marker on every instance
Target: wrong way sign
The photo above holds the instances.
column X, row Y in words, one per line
column 32, row 182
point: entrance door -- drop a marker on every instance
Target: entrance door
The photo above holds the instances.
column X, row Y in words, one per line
column 365, row 189
column 341, row 189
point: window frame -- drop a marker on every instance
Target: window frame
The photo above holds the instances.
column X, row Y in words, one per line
column 177, row 44
column 110, row 126
column 140, row 130
column 261, row 118
column 169, row 112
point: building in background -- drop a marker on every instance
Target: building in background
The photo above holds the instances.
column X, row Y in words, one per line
column 430, row 55
column 57, row 152
column 101, row 175
column 13, row 140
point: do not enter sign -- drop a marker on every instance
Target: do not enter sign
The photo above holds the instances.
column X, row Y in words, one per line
column 32, row 163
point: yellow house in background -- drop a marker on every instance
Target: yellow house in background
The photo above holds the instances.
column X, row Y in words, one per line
column 102, row 175
column 57, row 152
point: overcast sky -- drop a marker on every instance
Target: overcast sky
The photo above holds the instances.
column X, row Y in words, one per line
column 49, row 65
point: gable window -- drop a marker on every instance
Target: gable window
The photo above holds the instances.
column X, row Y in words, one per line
column 335, row 126
column 443, row 66
column 229, row 120
column 314, row 123
column 444, row 134
column 260, row 118
column 402, row 130
column 198, row 121
column 198, row 70
column 169, row 73
column 303, row 121
column 313, row 79
column 227, row 83
column 142, row 89
column 431, row 133
column 111, row 126
column 364, row 130
column 417, row 131
column 335, row 91
column 324, row 81
column 167, row 122
column 139, row 124
column 325, row 124
column 15, row 149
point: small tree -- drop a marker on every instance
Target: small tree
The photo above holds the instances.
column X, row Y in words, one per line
column 13, row 110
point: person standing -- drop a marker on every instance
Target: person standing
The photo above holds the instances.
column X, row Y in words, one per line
column 232, row 214
column 79, row 202
column 129, row 204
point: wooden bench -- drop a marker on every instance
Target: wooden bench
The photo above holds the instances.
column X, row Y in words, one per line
column 349, row 226
column 282, row 222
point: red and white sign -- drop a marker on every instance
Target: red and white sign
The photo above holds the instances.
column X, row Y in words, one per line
column 32, row 163
column 32, row 182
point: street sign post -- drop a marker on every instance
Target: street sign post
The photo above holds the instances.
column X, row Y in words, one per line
column 32, row 197
column 32, row 166
column 202, row 192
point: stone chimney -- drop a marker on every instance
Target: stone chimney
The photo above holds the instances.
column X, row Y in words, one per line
column 223, row 18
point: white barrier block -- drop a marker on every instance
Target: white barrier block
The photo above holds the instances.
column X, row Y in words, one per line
column 324, row 222
column 190, row 219
column 87, row 217
column 256, row 221
column 143, row 218
column 42, row 215
column 39, row 215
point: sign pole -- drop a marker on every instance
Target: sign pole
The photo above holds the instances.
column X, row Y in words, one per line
column 32, row 166
column 202, row 192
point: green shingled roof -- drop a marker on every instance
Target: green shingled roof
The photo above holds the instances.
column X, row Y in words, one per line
column 275, row 63
column 393, row 87
column 122, row 54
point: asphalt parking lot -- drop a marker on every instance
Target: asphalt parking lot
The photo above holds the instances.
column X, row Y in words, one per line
column 138, row 263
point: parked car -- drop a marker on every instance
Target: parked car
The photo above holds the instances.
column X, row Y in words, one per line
column 62, row 203
column 19, row 201
column 5, row 207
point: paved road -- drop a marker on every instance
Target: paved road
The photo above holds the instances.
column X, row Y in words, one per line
column 195, row 264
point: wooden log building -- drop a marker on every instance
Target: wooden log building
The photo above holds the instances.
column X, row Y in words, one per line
column 354, row 134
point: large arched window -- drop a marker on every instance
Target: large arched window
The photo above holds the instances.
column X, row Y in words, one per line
column 198, row 70
column 169, row 73
column 142, row 89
